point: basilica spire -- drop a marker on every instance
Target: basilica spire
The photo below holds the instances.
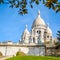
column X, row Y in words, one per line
column 26, row 26
column 38, row 13
column 26, row 29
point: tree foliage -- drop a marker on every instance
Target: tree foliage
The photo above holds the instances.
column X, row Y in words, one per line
column 58, row 35
column 1, row 1
column 22, row 4
column 1, row 54
column 20, row 53
column 58, row 38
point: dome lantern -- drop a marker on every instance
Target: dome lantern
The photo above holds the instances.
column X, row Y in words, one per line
column 39, row 12
column 26, row 26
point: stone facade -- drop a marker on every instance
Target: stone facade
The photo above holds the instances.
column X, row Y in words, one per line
column 12, row 49
column 40, row 32
column 31, row 43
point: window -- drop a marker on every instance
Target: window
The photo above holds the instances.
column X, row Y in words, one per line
column 44, row 34
column 48, row 36
column 33, row 40
column 38, row 31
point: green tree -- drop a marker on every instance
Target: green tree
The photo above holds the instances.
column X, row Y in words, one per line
column 22, row 4
column 58, row 36
column 58, row 7
column 1, row 1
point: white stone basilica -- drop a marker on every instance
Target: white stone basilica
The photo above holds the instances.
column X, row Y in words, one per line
column 33, row 42
column 40, row 32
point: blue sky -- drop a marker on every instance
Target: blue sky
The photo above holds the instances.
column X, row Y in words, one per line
column 12, row 24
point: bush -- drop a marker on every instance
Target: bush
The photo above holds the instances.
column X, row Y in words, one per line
column 1, row 54
column 20, row 53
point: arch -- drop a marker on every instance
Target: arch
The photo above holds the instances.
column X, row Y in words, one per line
column 33, row 40
column 38, row 31
column 45, row 34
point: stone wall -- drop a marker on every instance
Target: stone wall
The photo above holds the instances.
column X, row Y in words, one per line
column 9, row 50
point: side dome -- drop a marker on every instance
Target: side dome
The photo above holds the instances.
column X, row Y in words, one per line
column 26, row 31
column 38, row 21
column 49, row 30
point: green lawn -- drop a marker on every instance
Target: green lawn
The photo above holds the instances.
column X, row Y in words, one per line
column 34, row 58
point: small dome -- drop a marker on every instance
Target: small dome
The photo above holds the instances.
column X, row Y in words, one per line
column 26, row 31
column 38, row 20
column 49, row 30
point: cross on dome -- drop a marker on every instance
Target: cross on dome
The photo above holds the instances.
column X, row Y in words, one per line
column 39, row 12
column 26, row 26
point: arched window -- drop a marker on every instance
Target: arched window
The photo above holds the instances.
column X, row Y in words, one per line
column 33, row 40
column 39, row 32
column 45, row 34
column 50, row 37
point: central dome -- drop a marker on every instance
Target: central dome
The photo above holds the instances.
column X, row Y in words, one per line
column 38, row 21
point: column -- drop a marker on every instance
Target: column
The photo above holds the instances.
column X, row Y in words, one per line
column 42, row 36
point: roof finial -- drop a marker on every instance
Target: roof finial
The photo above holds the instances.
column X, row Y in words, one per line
column 26, row 26
column 38, row 12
